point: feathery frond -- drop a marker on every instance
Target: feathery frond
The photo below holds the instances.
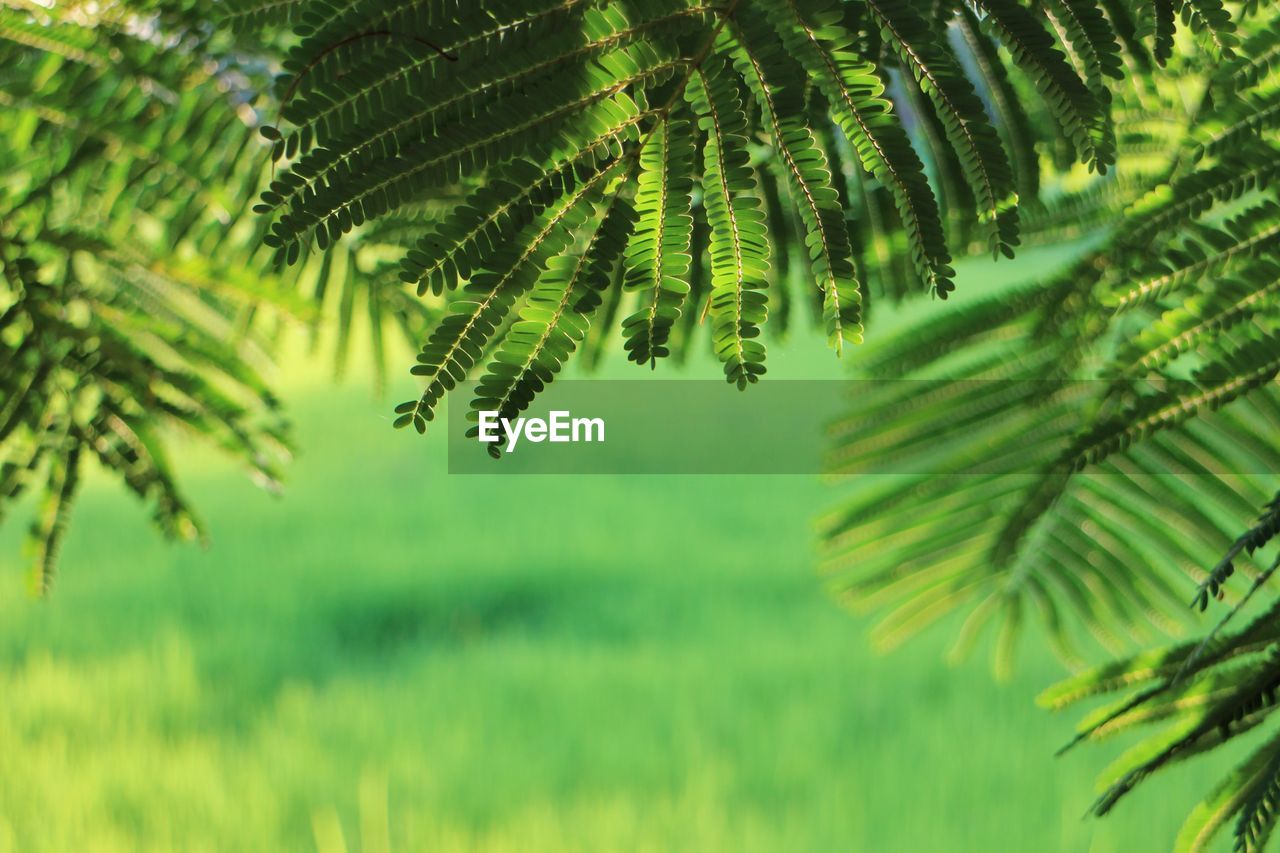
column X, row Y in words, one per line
column 1089, row 447
column 124, row 306
column 387, row 106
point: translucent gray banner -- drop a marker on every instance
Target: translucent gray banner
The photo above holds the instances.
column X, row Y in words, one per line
column 933, row 427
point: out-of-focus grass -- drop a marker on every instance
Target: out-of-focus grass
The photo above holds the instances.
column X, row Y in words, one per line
column 393, row 655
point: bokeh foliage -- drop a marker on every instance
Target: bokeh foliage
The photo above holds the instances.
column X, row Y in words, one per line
column 1138, row 386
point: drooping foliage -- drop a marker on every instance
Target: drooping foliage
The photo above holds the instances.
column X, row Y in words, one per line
column 745, row 155
column 122, row 310
column 1081, row 451
column 136, row 300
column 1201, row 694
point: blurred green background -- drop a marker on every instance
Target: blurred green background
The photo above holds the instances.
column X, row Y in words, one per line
column 389, row 657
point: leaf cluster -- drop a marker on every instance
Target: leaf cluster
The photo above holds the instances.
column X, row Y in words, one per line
column 1085, row 448
column 744, row 154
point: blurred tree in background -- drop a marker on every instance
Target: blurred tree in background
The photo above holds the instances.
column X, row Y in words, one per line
column 127, row 292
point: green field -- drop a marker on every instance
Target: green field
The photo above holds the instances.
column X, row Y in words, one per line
column 393, row 658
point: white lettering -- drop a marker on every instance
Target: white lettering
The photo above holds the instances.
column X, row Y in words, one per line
column 588, row 424
column 513, row 435
column 560, row 427
column 488, row 423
